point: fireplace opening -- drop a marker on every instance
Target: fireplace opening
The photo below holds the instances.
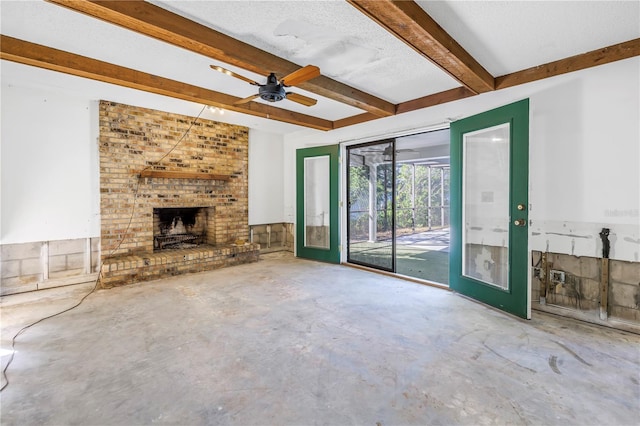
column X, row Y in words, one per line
column 179, row 228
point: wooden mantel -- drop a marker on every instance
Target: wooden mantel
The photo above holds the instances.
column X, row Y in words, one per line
column 182, row 175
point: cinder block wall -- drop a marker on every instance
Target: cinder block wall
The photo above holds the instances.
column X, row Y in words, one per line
column 273, row 236
column 133, row 139
column 580, row 290
column 45, row 264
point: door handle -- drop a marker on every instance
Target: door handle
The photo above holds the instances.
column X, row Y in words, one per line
column 520, row 222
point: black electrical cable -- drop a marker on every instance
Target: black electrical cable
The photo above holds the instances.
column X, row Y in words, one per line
column 25, row 328
column 95, row 287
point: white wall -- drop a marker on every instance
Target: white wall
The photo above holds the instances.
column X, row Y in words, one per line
column 266, row 177
column 49, row 170
column 50, row 176
column 584, row 155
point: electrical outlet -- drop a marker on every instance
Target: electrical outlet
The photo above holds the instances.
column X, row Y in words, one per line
column 556, row 276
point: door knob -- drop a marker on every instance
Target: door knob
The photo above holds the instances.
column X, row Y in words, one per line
column 520, row 222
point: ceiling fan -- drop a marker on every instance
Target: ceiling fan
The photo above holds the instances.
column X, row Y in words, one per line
column 388, row 150
column 274, row 90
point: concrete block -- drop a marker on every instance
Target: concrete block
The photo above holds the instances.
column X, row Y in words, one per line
column 627, row 314
column 31, row 266
column 57, row 263
column 590, row 267
column 66, row 246
column 259, row 229
column 10, row 268
column 590, row 289
column 589, row 305
column 624, row 272
column 554, row 298
column 20, row 251
column 625, row 295
column 566, row 263
column 75, row 261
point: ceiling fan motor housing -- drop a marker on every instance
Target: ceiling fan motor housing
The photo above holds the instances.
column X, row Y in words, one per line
column 272, row 92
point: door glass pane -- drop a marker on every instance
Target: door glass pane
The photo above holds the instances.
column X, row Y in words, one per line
column 370, row 204
column 485, row 205
column 422, row 206
column 317, row 202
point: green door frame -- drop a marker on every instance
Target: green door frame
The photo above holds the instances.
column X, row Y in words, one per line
column 515, row 300
column 332, row 254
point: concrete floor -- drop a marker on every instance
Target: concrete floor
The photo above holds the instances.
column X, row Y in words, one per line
column 286, row 341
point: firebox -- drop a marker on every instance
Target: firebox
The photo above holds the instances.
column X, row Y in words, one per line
column 180, row 228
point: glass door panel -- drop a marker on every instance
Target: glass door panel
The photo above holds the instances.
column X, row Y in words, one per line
column 422, row 206
column 316, row 202
column 370, row 224
column 485, row 209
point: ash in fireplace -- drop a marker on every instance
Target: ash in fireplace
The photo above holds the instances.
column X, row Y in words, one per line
column 178, row 228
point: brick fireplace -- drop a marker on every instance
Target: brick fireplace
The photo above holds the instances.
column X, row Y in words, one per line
column 166, row 214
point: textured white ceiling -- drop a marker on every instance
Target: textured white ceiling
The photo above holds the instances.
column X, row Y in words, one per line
column 504, row 36
column 509, row 36
column 345, row 44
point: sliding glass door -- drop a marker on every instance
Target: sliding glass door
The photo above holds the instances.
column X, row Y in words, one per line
column 370, row 189
column 398, row 205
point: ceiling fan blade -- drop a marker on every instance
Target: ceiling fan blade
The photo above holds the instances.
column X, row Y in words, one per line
column 300, row 76
column 233, row 74
column 245, row 100
column 303, row 100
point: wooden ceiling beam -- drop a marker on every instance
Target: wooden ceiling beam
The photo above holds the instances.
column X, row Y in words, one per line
column 28, row 53
column 354, row 119
column 435, row 99
column 608, row 54
column 410, row 23
column 412, row 105
column 153, row 21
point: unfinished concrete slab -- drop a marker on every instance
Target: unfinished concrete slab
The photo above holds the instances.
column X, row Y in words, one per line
column 287, row 341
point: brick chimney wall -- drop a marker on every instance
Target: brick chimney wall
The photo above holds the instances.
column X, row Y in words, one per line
column 133, row 139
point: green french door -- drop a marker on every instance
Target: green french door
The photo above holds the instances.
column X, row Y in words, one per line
column 317, row 195
column 489, row 207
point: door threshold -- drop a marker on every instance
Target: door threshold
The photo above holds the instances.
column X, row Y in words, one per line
column 395, row 275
